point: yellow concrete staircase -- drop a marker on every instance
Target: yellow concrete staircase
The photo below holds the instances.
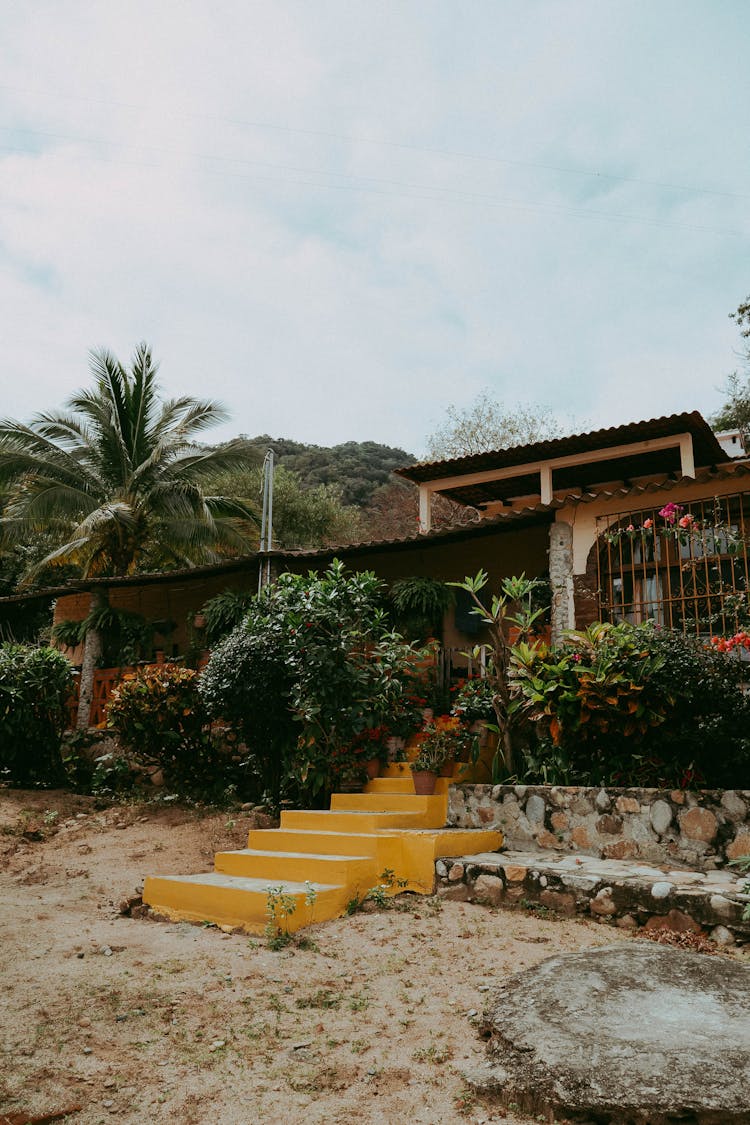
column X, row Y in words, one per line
column 325, row 859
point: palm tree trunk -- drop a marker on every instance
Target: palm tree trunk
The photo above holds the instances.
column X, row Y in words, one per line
column 92, row 651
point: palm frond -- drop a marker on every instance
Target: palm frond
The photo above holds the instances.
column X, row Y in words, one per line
column 121, row 473
column 23, row 451
column 197, row 416
column 205, row 462
column 39, row 501
column 142, row 402
column 65, row 428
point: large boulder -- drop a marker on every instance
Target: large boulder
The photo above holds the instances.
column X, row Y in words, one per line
column 632, row 1034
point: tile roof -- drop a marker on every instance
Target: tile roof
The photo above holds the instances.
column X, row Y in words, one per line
column 708, row 451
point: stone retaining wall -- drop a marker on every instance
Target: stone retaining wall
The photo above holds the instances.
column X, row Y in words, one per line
column 702, row 830
column 628, row 894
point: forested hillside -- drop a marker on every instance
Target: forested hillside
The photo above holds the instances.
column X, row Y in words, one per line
column 357, row 467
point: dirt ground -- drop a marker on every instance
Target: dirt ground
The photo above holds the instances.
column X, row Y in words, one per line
column 368, row 1019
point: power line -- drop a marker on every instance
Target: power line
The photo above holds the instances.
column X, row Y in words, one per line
column 426, row 149
column 448, row 195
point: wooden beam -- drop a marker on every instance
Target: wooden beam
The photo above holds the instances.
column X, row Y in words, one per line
column 651, row 445
column 425, row 508
column 545, row 475
column 687, row 459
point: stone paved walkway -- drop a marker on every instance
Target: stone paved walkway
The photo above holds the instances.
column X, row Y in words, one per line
column 621, row 892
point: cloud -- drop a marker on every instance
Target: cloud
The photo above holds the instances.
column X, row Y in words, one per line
column 275, row 197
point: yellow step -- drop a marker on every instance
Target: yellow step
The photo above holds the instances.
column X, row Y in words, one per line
column 349, row 821
column 313, row 842
column 432, row 811
column 396, row 770
column 402, row 785
column 302, row 867
column 238, row 902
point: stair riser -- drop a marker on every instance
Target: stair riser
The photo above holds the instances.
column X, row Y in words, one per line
column 389, row 802
column 299, row 868
column 341, row 821
column 403, row 785
column 321, row 843
column 426, row 812
column 386, row 851
column 247, row 910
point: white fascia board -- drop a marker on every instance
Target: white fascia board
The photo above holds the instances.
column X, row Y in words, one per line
column 683, row 442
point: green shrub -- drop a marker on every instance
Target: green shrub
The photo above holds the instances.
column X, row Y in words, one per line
column 161, row 722
column 35, row 686
column 594, row 699
column 349, row 672
column 706, row 739
column 223, row 613
column 473, row 700
column 247, row 684
column 314, row 666
column 634, row 705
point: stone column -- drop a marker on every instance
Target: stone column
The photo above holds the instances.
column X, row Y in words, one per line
column 561, row 578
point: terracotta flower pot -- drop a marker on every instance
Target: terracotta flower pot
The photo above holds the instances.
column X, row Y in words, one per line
column 372, row 765
column 424, row 782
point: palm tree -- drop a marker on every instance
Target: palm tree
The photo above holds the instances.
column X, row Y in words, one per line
column 120, row 478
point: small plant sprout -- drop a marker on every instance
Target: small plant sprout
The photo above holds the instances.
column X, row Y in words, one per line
column 279, row 908
column 311, row 895
column 378, row 894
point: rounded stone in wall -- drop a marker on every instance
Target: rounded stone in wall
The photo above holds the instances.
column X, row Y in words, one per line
column 660, row 816
column 699, row 824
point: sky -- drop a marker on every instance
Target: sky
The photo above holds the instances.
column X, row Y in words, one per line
column 338, row 217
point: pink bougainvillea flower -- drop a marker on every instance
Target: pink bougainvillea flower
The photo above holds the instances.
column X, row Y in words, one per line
column 670, row 512
column 647, row 524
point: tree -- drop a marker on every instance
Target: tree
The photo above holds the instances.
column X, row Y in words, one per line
column 735, row 413
column 116, row 477
column 393, row 511
column 302, row 516
column 488, row 425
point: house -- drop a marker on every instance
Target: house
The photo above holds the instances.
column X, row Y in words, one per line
column 582, row 511
column 646, row 521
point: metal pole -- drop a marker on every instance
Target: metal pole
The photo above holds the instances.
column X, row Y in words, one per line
column 266, row 523
column 269, row 524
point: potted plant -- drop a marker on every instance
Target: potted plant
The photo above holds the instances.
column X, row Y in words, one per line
column 370, row 749
column 444, row 741
column 426, row 767
column 348, row 772
column 420, row 605
column 472, row 701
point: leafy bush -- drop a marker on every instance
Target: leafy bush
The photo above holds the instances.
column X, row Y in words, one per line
column 633, row 705
column 314, row 666
column 223, row 613
column 420, row 604
column 511, row 608
column 161, row 722
column 706, row 739
column 473, row 700
column 35, row 685
column 248, row 684
column 348, row 671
